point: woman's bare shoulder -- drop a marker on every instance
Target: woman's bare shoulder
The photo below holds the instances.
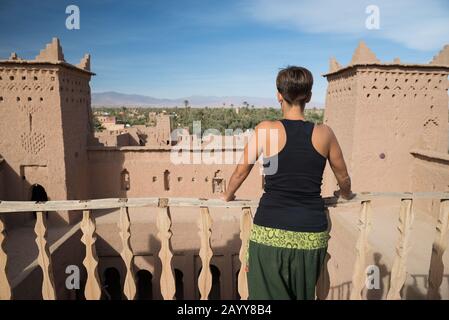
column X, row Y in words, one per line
column 323, row 130
column 268, row 124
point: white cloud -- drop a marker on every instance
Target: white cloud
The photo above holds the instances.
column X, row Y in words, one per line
column 417, row 24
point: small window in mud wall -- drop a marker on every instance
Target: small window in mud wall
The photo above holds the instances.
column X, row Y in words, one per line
column 125, row 180
column 38, row 194
column 166, row 180
column 218, row 183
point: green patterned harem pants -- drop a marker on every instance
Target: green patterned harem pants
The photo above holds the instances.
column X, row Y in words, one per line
column 284, row 265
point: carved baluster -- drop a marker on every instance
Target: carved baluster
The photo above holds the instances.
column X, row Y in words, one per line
column 439, row 247
column 246, row 222
column 163, row 224
column 5, row 288
column 44, row 257
column 127, row 253
column 362, row 248
column 399, row 269
column 92, row 290
column 205, row 278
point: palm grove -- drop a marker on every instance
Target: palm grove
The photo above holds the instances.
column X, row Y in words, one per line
column 217, row 118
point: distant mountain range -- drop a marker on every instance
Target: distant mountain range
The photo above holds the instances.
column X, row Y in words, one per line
column 116, row 99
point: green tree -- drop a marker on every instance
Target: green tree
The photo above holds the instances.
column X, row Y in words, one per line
column 97, row 125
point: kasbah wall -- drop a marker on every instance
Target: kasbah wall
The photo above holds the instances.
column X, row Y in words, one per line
column 391, row 120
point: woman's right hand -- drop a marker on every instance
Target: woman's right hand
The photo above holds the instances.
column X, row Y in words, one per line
column 228, row 197
column 344, row 195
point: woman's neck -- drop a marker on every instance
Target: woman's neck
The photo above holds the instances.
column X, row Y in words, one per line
column 293, row 113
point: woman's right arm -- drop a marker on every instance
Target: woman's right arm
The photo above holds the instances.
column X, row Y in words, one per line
column 338, row 165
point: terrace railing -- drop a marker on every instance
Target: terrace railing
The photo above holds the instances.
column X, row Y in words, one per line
column 167, row 280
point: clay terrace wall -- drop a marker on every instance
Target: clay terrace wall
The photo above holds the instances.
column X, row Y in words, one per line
column 145, row 172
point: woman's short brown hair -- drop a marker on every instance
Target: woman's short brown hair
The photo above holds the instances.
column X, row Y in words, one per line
column 294, row 84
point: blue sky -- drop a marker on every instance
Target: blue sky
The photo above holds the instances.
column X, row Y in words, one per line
column 172, row 49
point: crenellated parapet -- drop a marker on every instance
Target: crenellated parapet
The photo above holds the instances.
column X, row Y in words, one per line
column 363, row 55
column 84, row 63
column 334, row 66
column 51, row 55
column 442, row 58
column 52, row 52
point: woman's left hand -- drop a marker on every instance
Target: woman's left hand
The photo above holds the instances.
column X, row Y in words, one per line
column 228, row 197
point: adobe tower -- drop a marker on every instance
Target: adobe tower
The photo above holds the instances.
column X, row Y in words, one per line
column 45, row 104
column 388, row 116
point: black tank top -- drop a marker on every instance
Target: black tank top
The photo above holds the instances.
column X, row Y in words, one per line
column 293, row 177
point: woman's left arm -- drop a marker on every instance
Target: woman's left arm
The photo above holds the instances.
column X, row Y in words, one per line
column 251, row 153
